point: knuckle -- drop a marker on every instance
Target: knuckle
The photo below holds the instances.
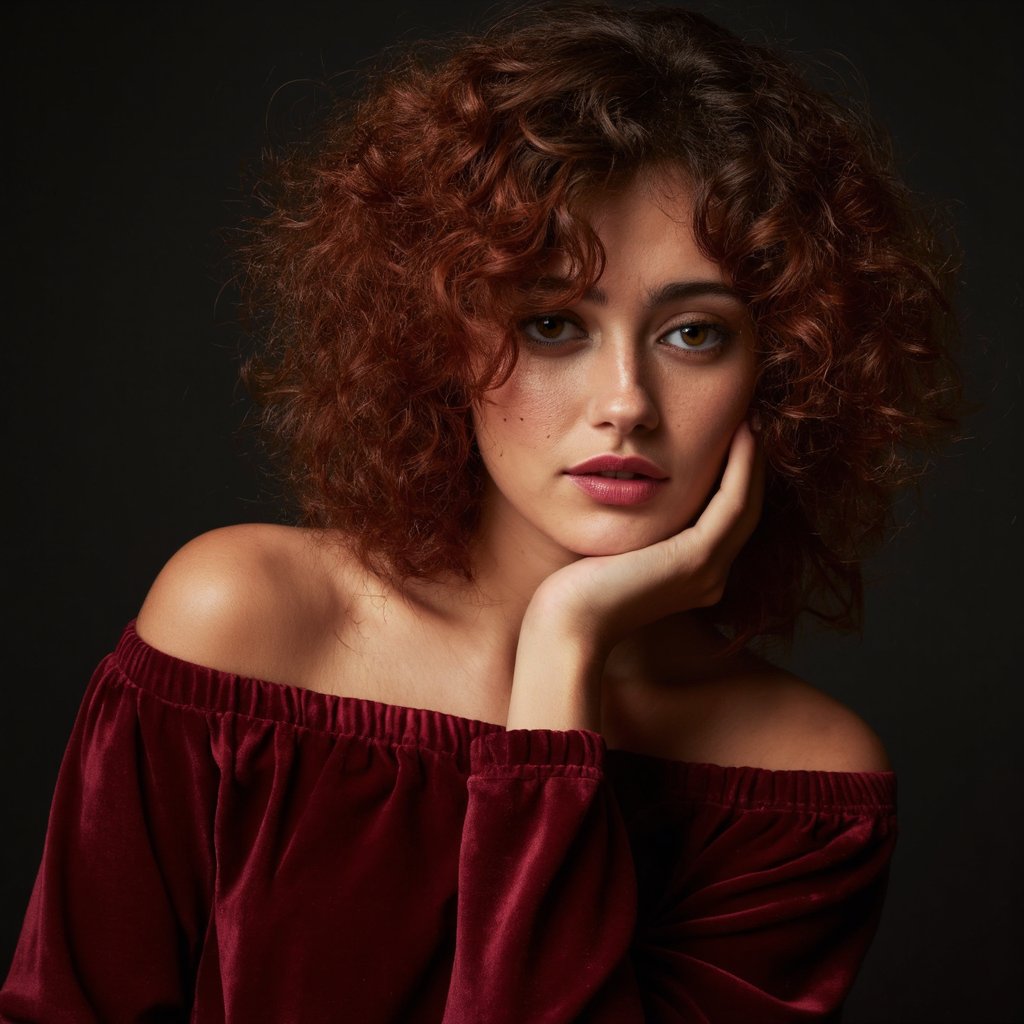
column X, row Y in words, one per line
column 710, row 585
column 710, row 597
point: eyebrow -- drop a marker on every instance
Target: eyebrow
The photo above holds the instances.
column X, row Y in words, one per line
column 673, row 291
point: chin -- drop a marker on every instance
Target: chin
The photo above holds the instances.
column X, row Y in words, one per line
column 597, row 550
column 611, row 544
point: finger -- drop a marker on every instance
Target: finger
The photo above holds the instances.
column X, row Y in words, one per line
column 710, row 545
column 734, row 510
column 750, row 484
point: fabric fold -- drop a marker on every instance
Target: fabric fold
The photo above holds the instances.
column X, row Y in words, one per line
column 223, row 849
column 546, row 748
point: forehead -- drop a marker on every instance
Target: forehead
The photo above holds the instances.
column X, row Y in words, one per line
column 645, row 227
column 665, row 185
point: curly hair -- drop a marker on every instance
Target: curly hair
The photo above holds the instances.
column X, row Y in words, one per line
column 415, row 222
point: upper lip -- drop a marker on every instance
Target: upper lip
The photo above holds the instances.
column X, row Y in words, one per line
column 619, row 464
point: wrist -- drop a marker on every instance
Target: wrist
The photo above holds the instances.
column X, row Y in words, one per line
column 556, row 683
column 553, row 612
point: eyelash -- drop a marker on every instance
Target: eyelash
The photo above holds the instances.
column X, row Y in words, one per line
column 725, row 334
column 548, row 342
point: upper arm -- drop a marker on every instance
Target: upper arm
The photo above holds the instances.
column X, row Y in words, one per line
column 228, row 599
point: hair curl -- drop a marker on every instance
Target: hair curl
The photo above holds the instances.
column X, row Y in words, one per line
column 394, row 243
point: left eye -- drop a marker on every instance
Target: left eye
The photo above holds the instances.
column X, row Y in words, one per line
column 550, row 330
column 697, row 337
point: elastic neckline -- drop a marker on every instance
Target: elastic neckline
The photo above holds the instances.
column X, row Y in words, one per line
column 189, row 684
column 199, row 687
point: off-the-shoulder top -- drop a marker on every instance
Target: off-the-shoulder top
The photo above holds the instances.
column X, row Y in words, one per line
column 225, row 849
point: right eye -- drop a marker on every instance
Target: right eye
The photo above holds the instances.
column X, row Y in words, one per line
column 552, row 330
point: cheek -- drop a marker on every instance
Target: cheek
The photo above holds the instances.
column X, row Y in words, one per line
column 713, row 406
column 523, row 415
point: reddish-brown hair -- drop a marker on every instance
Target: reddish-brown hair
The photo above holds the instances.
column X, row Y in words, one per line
column 394, row 245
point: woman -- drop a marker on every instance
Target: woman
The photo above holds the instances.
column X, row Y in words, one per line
column 594, row 351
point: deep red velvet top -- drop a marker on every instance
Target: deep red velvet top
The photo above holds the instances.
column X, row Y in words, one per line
column 227, row 849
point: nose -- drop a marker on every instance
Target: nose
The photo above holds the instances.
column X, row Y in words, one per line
column 620, row 397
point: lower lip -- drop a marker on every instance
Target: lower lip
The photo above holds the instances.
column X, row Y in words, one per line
column 608, row 490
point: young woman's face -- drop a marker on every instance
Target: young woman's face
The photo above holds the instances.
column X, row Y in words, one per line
column 655, row 363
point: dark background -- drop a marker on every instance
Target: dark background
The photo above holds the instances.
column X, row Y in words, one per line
column 127, row 131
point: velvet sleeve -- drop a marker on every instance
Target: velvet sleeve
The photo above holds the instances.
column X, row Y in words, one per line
column 756, row 904
column 547, row 892
column 118, row 910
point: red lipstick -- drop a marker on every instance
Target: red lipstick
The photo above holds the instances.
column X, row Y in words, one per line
column 595, row 477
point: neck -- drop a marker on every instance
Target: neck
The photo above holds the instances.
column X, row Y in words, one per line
column 510, row 562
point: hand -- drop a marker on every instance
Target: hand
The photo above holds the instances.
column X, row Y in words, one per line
column 579, row 613
column 598, row 600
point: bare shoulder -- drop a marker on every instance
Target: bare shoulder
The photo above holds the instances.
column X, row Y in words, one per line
column 241, row 599
column 794, row 725
column 739, row 711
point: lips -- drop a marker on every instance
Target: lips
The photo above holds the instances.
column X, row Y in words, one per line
column 635, row 465
column 617, row 479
